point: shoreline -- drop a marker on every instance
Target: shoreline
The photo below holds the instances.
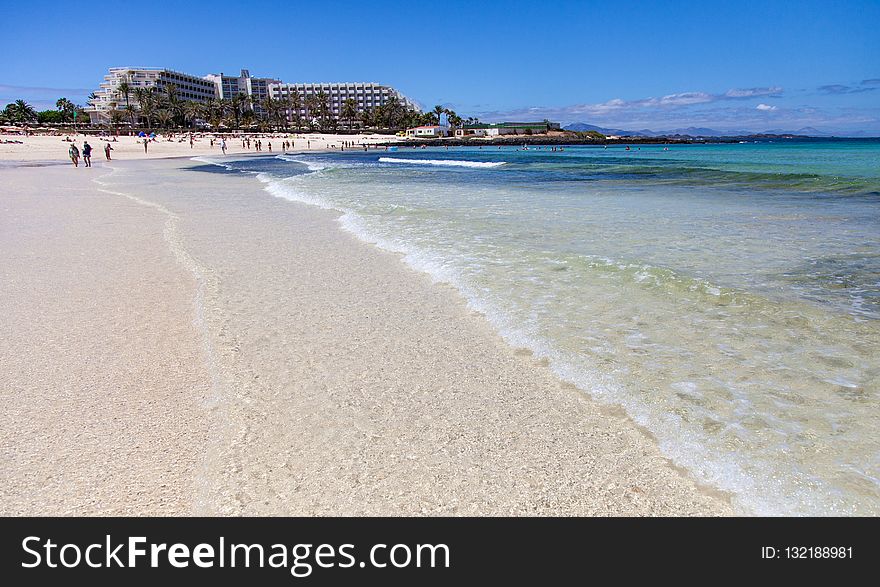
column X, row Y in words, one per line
column 127, row 148
column 583, row 457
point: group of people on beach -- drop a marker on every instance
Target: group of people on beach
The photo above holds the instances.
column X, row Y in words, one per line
column 85, row 153
column 74, row 153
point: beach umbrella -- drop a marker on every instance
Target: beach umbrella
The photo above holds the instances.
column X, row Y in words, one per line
column 142, row 134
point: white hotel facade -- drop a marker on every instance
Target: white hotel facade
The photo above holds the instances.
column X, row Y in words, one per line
column 366, row 95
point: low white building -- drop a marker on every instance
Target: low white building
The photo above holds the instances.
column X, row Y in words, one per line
column 430, row 131
column 506, row 128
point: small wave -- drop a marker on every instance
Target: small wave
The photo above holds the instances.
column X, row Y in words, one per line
column 206, row 160
column 310, row 164
column 444, row 162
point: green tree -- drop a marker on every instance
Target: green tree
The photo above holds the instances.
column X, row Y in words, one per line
column 323, row 108
column 294, row 105
column 66, row 108
column 192, row 111
column 146, row 99
column 312, row 110
column 349, row 112
column 116, row 117
column 173, row 101
column 367, row 118
column 247, row 118
column 124, row 88
column 165, row 117
column 238, row 104
column 49, row 117
column 20, row 112
column 214, row 112
column 273, row 109
column 437, row 111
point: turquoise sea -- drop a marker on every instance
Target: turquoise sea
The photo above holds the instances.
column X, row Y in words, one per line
column 727, row 296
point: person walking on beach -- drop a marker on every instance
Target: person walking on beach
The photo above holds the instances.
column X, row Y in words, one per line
column 223, row 145
column 270, row 146
column 146, row 141
column 74, row 155
column 107, row 149
column 191, row 141
column 87, row 154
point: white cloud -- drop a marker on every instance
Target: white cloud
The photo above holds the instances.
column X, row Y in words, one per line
column 765, row 107
column 617, row 106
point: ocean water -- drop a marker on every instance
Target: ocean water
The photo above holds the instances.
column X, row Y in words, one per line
column 727, row 296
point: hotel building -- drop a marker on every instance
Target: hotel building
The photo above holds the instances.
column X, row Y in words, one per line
column 257, row 88
column 366, row 95
column 108, row 97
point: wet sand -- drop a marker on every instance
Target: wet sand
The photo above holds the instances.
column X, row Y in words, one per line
column 184, row 343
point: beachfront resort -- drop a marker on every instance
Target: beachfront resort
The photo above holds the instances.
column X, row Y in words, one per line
column 127, row 89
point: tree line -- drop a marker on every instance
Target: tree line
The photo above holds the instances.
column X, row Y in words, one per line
column 152, row 108
column 20, row 112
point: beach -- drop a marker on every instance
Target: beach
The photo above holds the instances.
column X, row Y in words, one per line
column 53, row 147
column 180, row 341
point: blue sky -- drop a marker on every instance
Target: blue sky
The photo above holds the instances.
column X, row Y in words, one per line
column 625, row 64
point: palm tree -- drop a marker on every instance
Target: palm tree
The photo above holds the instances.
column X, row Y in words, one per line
column 323, row 108
column 437, row 111
column 394, row 113
column 246, row 118
column 367, row 118
column 146, row 100
column 237, row 103
column 272, row 108
column 172, row 95
column 165, row 116
column 115, row 118
column 130, row 110
column 214, row 112
column 349, row 111
column 21, row 112
column 192, row 111
column 294, row 104
column 312, row 107
column 124, row 88
column 66, row 108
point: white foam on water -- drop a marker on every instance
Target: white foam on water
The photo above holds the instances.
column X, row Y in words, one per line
column 313, row 166
column 444, row 162
column 203, row 159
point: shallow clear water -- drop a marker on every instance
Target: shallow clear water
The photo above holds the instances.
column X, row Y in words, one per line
column 728, row 296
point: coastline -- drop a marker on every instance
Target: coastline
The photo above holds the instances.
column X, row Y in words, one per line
column 325, row 378
column 52, row 147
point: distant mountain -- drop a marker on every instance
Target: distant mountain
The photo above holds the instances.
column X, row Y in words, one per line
column 696, row 131
column 584, row 127
column 807, row 131
column 646, row 132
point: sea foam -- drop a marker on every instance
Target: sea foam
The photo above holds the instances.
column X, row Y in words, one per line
column 444, row 162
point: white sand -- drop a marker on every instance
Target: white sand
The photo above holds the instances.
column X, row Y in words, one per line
column 189, row 344
column 54, row 148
